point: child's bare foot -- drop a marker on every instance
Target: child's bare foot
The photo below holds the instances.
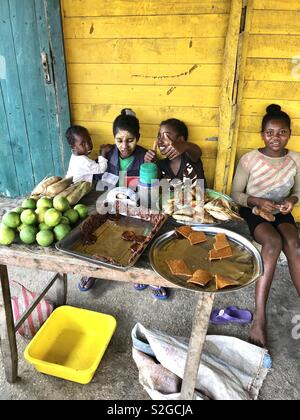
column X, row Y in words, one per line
column 258, row 334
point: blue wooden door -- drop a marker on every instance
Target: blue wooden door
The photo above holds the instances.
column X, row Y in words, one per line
column 34, row 107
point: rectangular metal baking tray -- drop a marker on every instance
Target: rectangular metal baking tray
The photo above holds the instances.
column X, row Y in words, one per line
column 67, row 244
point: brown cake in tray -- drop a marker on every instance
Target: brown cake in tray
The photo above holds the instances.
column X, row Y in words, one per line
column 201, row 277
column 222, row 282
column 118, row 240
column 179, row 268
column 220, row 254
column 221, row 242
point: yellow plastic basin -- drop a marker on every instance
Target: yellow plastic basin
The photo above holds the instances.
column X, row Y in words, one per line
column 71, row 343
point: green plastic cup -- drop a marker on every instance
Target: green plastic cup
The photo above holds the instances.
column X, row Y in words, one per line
column 148, row 173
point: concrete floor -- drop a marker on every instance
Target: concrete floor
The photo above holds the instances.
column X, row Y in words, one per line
column 117, row 375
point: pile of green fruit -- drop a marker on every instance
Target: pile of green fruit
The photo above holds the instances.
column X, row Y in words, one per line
column 43, row 222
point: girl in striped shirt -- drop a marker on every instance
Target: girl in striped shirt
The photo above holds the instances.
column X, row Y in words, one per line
column 267, row 186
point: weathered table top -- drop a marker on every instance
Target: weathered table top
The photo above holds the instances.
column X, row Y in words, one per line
column 49, row 259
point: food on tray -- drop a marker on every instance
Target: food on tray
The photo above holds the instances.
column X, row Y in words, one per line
column 184, row 231
column 197, row 238
column 136, row 247
column 220, row 254
column 204, row 210
column 117, row 240
column 221, row 209
column 179, row 268
column 201, row 277
column 140, row 239
column 221, row 241
column 264, row 214
column 128, row 236
column 222, row 282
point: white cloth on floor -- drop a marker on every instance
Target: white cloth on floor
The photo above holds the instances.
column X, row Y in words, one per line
column 230, row 369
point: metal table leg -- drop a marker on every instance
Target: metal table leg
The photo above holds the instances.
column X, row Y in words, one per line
column 7, row 329
column 200, row 326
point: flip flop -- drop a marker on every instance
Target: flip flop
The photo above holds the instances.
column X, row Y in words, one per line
column 231, row 315
column 160, row 293
column 139, row 287
column 86, row 283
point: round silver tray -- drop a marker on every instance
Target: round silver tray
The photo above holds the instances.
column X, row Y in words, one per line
column 234, row 237
column 197, row 224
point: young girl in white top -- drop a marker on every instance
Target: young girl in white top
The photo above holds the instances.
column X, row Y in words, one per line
column 81, row 167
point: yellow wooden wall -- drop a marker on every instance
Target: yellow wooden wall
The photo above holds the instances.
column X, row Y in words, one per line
column 162, row 58
column 272, row 73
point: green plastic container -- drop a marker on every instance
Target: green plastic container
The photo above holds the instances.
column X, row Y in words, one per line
column 148, row 173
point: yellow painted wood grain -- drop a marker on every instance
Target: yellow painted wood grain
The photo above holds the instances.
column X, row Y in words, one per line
column 276, row 22
column 73, row 8
column 146, row 74
column 145, row 95
column 162, row 51
column 228, row 97
column 192, row 116
column 250, row 124
column 276, row 90
column 119, row 54
column 258, row 107
column 277, row 4
column 272, row 69
column 176, row 26
column 274, row 46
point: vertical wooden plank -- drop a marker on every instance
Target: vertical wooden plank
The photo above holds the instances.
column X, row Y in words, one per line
column 8, row 342
column 197, row 340
column 51, row 42
column 8, row 177
column 14, row 115
column 61, row 81
column 24, row 26
column 228, row 97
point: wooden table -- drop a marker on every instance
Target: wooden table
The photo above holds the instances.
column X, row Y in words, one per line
column 49, row 259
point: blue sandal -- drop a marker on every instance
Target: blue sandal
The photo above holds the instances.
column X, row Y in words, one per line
column 86, row 283
column 139, row 287
column 160, row 293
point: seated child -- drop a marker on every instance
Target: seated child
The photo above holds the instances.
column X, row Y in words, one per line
column 123, row 160
column 267, row 186
column 81, row 167
column 182, row 159
column 125, row 157
column 182, row 162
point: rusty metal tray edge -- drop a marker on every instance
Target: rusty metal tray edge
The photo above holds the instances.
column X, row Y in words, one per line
column 236, row 237
column 72, row 237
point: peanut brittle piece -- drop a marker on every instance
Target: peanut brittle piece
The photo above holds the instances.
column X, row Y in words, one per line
column 220, row 254
column 184, row 231
column 222, row 282
column 201, row 278
column 221, row 242
column 197, row 238
column 179, row 268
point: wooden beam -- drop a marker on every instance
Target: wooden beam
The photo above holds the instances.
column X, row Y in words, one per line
column 228, row 95
column 241, row 71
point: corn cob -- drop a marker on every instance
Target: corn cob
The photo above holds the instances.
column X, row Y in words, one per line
column 43, row 185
